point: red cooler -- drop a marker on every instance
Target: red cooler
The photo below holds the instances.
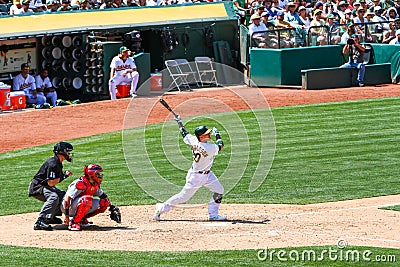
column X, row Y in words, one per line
column 18, row 100
column 5, row 102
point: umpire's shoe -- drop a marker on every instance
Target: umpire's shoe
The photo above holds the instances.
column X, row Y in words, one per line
column 54, row 220
column 41, row 225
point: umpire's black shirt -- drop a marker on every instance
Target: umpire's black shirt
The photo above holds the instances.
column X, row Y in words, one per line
column 50, row 170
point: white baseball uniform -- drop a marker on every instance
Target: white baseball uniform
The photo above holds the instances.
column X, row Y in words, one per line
column 52, row 96
column 120, row 67
column 28, row 85
column 197, row 176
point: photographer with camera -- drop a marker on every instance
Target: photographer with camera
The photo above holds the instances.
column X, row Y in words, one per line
column 356, row 57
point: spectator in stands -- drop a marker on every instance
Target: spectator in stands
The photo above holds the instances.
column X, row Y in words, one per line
column 391, row 14
column 45, row 88
column 40, row 7
column 341, row 8
column 52, row 6
column 292, row 16
column 65, row 6
column 371, row 27
column 380, row 18
column 276, row 8
column 14, row 9
column 130, row 3
column 386, row 4
column 356, row 57
column 364, row 4
column 255, row 5
column 268, row 8
column 25, row 10
column 25, row 82
column 320, row 6
column 318, row 27
column 107, row 4
column 118, row 3
column 390, row 34
column 348, row 18
column 304, row 17
column 397, row 39
column 374, row 4
column 265, row 19
column 283, row 4
column 240, row 9
column 356, row 6
column 350, row 30
column 85, row 5
column 397, row 6
column 256, row 25
column 334, row 29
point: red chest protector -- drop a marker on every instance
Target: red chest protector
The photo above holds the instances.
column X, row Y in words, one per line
column 83, row 184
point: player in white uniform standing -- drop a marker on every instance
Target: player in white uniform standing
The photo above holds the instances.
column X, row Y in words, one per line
column 25, row 82
column 199, row 174
column 45, row 88
column 123, row 71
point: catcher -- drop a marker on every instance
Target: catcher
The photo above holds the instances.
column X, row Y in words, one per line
column 79, row 203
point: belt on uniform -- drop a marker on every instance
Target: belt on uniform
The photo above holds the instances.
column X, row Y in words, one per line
column 204, row 172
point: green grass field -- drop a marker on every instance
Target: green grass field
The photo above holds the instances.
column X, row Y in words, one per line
column 324, row 152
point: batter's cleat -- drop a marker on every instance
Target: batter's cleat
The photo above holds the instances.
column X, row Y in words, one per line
column 55, row 220
column 157, row 212
column 133, row 95
column 73, row 226
column 217, row 218
column 361, row 84
column 41, row 225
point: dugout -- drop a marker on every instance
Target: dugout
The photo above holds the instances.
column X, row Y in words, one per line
column 77, row 47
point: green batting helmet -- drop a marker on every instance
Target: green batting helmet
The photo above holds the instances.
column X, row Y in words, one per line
column 201, row 130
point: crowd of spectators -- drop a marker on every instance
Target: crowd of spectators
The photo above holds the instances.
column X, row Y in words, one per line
column 319, row 23
column 24, row 7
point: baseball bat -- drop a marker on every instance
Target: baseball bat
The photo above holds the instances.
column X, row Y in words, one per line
column 165, row 104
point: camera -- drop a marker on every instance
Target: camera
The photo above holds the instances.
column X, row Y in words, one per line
column 350, row 41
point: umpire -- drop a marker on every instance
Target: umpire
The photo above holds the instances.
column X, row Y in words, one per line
column 43, row 186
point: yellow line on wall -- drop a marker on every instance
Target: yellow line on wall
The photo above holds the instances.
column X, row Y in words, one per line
column 109, row 18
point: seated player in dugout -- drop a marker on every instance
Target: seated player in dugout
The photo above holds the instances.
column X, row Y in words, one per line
column 123, row 71
column 26, row 82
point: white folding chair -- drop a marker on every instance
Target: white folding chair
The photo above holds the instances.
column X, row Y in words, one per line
column 178, row 78
column 205, row 70
column 186, row 68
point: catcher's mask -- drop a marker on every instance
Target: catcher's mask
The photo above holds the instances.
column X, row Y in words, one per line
column 65, row 149
column 201, row 130
column 93, row 172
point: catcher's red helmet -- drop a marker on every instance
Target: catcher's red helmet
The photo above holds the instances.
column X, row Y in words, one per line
column 93, row 171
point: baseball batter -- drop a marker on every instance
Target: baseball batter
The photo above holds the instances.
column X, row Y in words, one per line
column 200, row 173
column 123, row 71
column 25, row 82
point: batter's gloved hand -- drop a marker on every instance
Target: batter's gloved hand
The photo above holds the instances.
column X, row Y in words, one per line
column 115, row 214
column 214, row 131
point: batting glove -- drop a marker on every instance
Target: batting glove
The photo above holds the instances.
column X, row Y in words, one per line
column 214, row 131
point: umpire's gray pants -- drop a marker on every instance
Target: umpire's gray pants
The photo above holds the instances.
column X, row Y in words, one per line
column 52, row 198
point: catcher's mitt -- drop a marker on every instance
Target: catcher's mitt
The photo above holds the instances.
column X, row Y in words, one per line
column 115, row 214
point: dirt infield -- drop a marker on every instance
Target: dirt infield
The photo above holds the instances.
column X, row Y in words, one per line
column 358, row 222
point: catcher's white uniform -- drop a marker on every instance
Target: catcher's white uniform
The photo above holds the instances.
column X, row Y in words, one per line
column 119, row 67
column 197, row 176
